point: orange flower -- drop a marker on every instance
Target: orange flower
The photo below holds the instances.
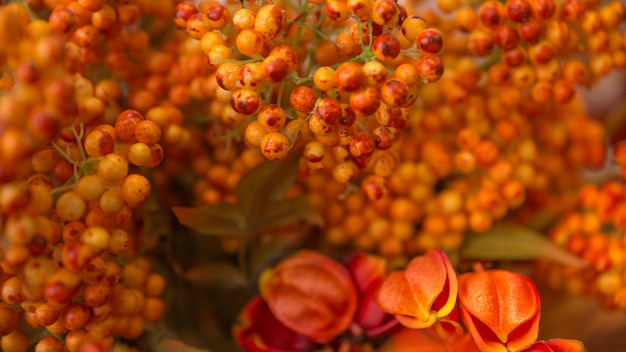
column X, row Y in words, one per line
column 424, row 292
column 500, row 309
column 311, row 294
column 556, row 345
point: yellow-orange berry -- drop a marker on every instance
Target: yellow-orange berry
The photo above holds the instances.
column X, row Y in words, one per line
column 135, row 190
column 70, row 206
column 112, row 168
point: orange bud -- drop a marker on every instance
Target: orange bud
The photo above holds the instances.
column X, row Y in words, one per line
column 556, row 345
column 500, row 309
column 424, row 292
column 311, row 294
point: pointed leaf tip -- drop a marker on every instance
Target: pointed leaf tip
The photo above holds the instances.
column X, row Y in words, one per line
column 268, row 181
column 512, row 242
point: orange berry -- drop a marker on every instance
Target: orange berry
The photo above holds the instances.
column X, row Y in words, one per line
column 275, row 145
column 76, row 317
column 70, row 206
column 49, row 344
column 135, row 190
column 112, row 168
column 16, row 341
column 147, row 132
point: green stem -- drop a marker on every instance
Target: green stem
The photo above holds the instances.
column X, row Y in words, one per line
column 79, row 140
column 281, row 88
column 319, row 33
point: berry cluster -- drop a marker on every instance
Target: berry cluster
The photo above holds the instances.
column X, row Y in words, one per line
column 70, row 254
column 348, row 91
column 593, row 230
column 478, row 147
column 542, row 47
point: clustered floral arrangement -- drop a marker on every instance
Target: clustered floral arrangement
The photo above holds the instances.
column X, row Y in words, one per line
column 293, row 176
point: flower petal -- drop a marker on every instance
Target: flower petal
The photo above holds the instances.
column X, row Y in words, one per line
column 396, row 297
column 311, row 294
column 502, row 300
column 425, row 291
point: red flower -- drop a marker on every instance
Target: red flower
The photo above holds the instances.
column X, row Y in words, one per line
column 500, row 309
column 311, row 294
column 368, row 272
column 424, row 292
column 257, row 330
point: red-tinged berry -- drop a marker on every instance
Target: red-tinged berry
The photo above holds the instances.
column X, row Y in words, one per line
column 365, row 101
column 275, row 68
column 396, row 93
column 218, row 16
column 430, row 68
column 429, row 41
column 386, row 47
column 275, row 145
column 246, row 101
column 303, row 99
column 385, row 12
column 349, row 76
column 272, row 118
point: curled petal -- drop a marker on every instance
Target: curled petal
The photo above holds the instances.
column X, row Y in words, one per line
column 425, row 291
column 500, row 309
column 448, row 328
column 556, row 345
column 311, row 294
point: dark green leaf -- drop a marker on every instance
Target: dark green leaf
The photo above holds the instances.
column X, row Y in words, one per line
column 286, row 211
column 216, row 219
column 269, row 181
column 512, row 242
column 267, row 254
column 220, row 275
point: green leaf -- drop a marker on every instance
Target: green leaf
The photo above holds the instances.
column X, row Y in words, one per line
column 511, row 242
column 219, row 275
column 216, row 219
column 286, row 211
column 268, row 181
column 268, row 254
